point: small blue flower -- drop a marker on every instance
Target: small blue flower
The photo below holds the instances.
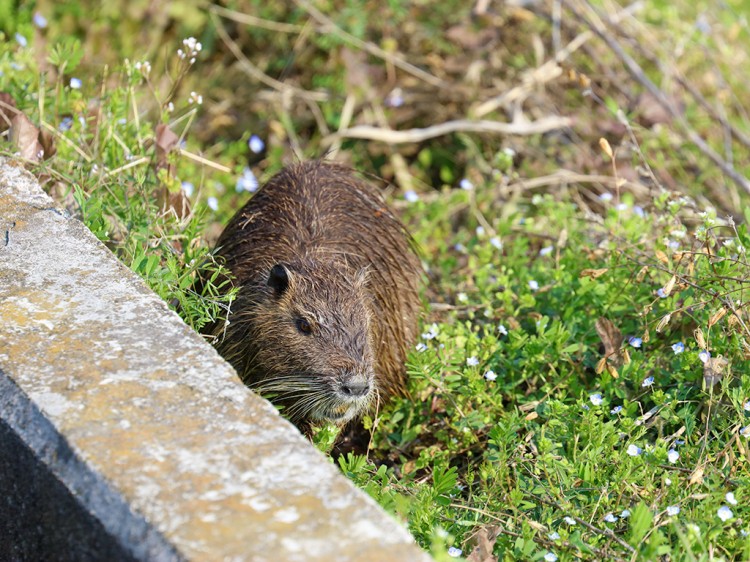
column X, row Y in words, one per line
column 662, row 294
column 704, row 356
column 213, row 203
column 39, row 20
column 569, row 520
column 75, row 83
column 550, row 556
column 746, row 406
column 256, row 144
column 421, row 347
column 635, row 342
column 673, row 510
column 634, row 450
column 21, row 40
column 411, row 196
column 533, row 285
column 606, row 196
column 616, row 410
column 496, row 242
column 648, row 381
column 247, row 181
column 638, row 210
column 610, row 518
column 187, row 188
column 678, row 347
column 454, row 552
column 466, row 185
column 472, row 361
column 673, row 456
column 547, row 250
column 66, row 124
column 459, row 247
column 596, row 399
column 724, row 513
column 625, row 514
column 554, row 536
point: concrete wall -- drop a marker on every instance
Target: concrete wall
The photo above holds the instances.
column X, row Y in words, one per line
column 123, row 435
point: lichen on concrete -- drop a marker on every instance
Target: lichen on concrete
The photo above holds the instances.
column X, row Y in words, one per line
column 144, row 424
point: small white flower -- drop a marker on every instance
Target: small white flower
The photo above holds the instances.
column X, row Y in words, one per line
column 668, row 481
column 490, row 375
column 462, row 297
column 625, row 514
column 143, row 67
column 634, row 450
column 648, row 381
column 673, row 510
column 421, row 347
column 704, row 356
column 730, row 498
column 550, row 557
column 622, row 207
column 466, row 185
column 533, row 285
column 672, row 456
column 411, row 196
column 432, row 333
column 610, row 518
column 502, row 330
column 256, row 144
column 596, row 399
column 639, row 212
column 605, row 197
column 21, row 40
column 554, row 536
column 569, row 520
column 213, row 203
column 745, row 431
column 496, row 242
column 480, row 231
column 678, row 347
column 170, row 107
column 724, row 513
column 39, row 20
column 75, row 83
column 472, row 361
column 197, row 99
column 187, row 188
column 454, row 552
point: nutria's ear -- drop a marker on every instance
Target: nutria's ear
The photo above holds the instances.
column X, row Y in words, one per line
column 278, row 279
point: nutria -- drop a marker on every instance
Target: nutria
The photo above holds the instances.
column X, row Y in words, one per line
column 328, row 294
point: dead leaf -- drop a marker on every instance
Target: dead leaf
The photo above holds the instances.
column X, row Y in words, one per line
column 593, row 273
column 641, row 274
column 662, row 257
column 698, row 334
column 713, row 370
column 7, row 111
column 718, row 315
column 697, row 476
column 611, row 338
column 483, row 542
column 670, row 285
column 166, row 142
column 24, row 135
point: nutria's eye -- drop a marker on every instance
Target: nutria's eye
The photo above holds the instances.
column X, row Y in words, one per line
column 304, row 326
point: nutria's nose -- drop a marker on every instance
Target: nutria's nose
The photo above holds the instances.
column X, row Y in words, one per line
column 355, row 388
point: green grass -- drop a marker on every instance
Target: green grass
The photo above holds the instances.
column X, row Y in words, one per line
column 562, row 378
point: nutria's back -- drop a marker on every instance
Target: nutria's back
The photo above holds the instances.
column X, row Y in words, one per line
column 328, row 297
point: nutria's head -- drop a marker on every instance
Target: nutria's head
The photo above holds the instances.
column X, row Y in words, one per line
column 302, row 334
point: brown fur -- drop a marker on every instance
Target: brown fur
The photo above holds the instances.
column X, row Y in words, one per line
column 348, row 269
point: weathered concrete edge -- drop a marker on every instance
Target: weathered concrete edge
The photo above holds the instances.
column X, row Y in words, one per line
column 105, row 503
column 380, row 534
